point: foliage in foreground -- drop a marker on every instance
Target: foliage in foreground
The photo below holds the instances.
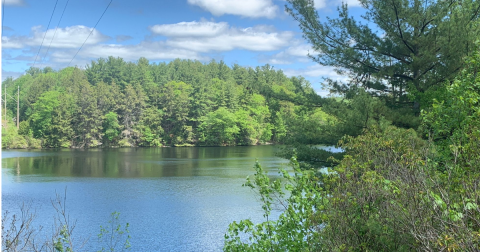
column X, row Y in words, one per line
column 385, row 195
column 392, row 191
column 294, row 230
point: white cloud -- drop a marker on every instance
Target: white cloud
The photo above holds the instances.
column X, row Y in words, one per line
column 190, row 29
column 245, row 8
column 294, row 53
column 320, row 4
column 207, row 36
column 9, row 42
column 300, row 50
column 187, row 40
column 14, row 2
column 352, row 3
column 69, row 37
column 151, row 50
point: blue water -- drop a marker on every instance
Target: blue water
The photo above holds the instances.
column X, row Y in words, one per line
column 174, row 199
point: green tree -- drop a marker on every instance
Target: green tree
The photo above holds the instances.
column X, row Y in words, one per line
column 151, row 127
column 219, row 128
column 279, row 130
column 62, row 132
column 42, row 114
column 11, row 139
column 88, row 118
column 175, row 100
column 260, row 112
column 33, row 71
column 248, row 126
column 111, row 128
column 132, row 106
column 40, row 84
column 411, row 49
column 108, row 97
column 202, row 101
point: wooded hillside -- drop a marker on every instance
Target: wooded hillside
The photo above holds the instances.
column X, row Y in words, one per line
column 117, row 103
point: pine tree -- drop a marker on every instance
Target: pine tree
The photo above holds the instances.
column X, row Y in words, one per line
column 405, row 47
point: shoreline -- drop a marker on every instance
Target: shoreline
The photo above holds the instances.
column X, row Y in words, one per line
column 118, row 147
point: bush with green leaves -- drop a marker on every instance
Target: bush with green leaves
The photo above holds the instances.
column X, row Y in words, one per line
column 295, row 229
column 386, row 194
column 392, row 191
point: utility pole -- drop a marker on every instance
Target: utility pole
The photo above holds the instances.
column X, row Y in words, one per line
column 5, row 106
column 18, row 107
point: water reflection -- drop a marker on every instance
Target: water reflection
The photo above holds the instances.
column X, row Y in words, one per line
column 141, row 162
column 175, row 199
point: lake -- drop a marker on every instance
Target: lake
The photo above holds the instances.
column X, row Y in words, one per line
column 175, row 199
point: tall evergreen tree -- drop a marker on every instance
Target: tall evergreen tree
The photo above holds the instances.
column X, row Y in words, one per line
column 88, row 118
column 405, row 47
column 175, row 100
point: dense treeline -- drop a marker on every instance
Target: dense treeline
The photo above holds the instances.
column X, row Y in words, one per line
column 184, row 102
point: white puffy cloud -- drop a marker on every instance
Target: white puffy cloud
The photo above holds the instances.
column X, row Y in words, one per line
column 205, row 36
column 190, row 29
column 69, row 37
column 199, row 40
column 245, row 8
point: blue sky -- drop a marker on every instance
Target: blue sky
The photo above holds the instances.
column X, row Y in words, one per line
column 246, row 32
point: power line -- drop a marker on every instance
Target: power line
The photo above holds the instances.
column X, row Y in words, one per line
column 45, row 33
column 90, row 33
column 55, row 29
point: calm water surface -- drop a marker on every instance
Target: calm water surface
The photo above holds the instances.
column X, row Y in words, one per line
column 175, row 199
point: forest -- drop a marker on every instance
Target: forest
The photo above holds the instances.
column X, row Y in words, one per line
column 113, row 103
column 408, row 121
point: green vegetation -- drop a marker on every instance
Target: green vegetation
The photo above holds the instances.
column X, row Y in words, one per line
column 409, row 124
column 113, row 103
column 402, row 52
column 408, row 120
column 392, row 191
